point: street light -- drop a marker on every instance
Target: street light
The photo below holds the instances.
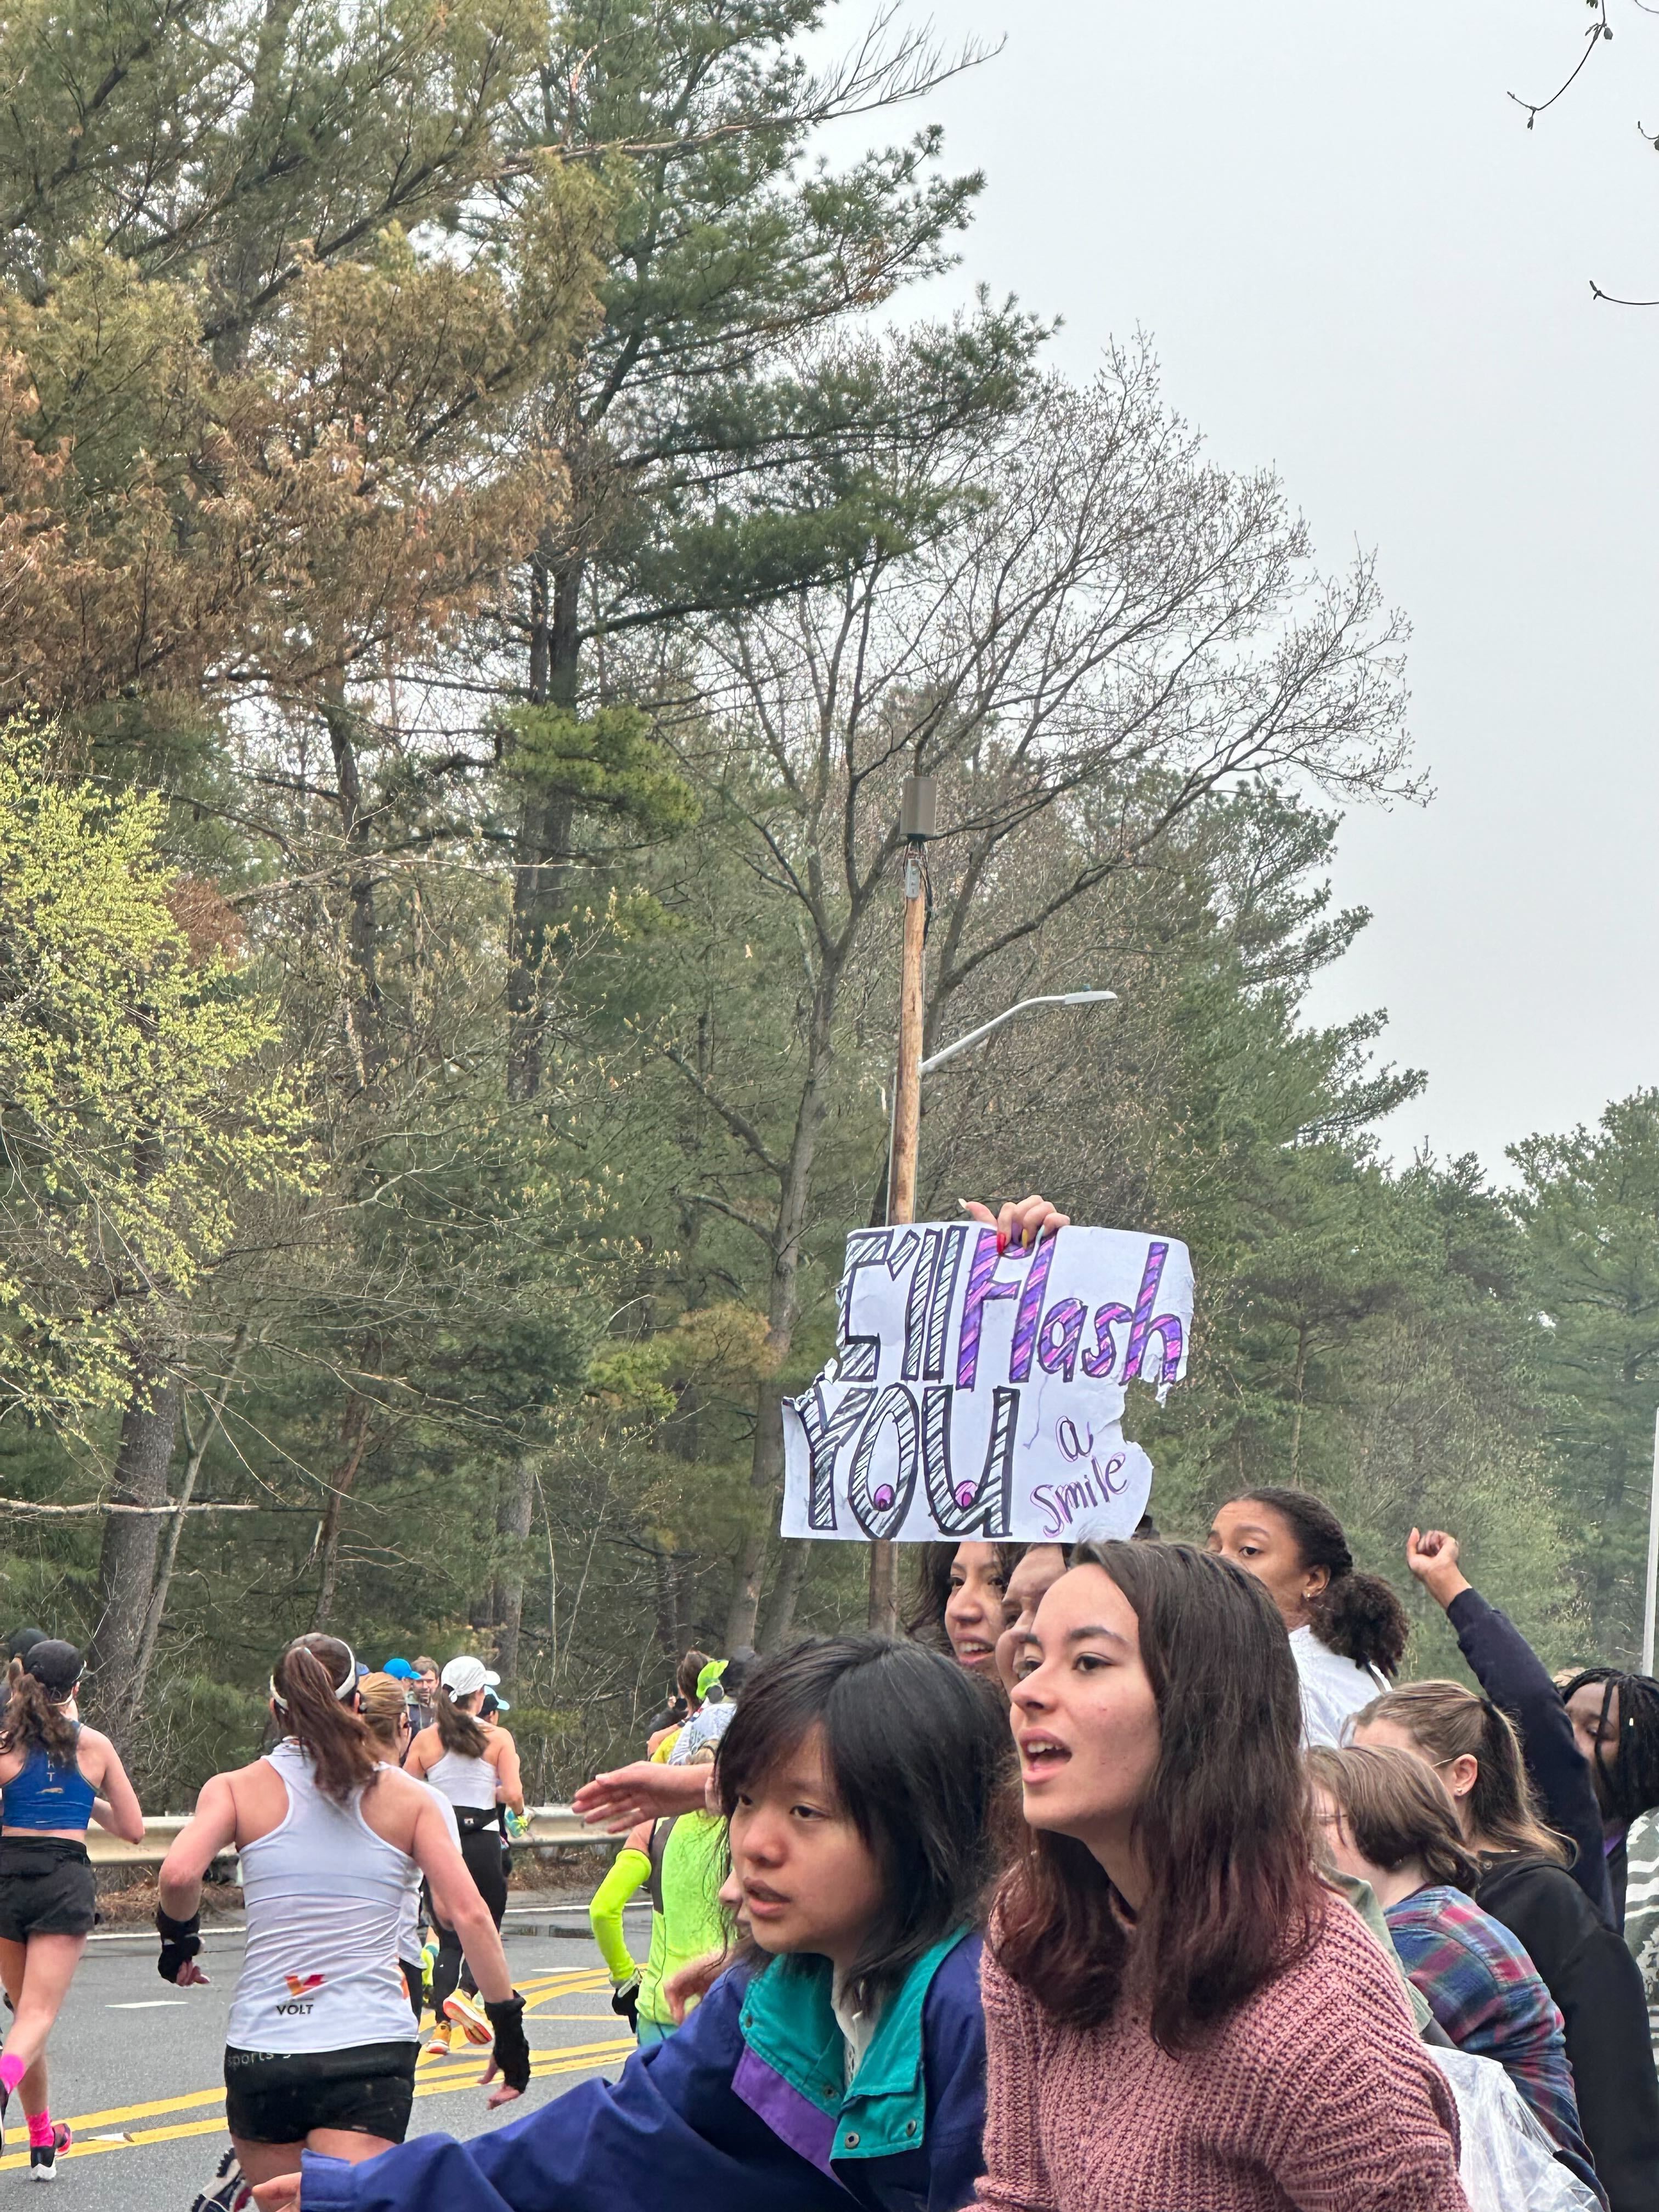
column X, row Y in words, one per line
column 918, row 827
column 1059, row 999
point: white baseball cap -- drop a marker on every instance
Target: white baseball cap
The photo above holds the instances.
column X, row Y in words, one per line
column 465, row 1675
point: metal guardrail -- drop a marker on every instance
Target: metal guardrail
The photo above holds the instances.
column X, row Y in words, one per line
column 550, row 1826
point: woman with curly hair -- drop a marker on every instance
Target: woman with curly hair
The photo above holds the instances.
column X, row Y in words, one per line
column 1347, row 1630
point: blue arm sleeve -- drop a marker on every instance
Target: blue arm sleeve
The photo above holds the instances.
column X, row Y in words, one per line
column 1513, row 1676
column 668, row 2132
column 953, row 2027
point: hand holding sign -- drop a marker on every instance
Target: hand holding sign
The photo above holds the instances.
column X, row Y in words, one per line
column 1019, row 1222
column 978, row 1384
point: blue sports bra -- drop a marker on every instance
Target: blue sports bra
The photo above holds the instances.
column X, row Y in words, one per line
column 47, row 1794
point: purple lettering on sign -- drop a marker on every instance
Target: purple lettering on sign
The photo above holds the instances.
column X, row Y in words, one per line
column 1101, row 1361
column 1165, row 1326
column 1031, row 1308
column 1059, row 1337
column 981, row 1290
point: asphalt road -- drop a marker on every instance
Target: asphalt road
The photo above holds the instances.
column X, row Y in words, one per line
column 135, row 2067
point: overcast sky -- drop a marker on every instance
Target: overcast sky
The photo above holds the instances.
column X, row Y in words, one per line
column 1357, row 263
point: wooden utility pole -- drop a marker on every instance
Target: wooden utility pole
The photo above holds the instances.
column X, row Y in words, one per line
column 916, row 821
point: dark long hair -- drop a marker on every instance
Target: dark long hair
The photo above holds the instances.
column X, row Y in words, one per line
column 1225, row 1830
column 344, row 1756
column 463, row 1733
column 923, row 1618
column 34, row 1720
column 1447, row 1722
column 1358, row 1616
column 1630, row 1778
column 916, row 1750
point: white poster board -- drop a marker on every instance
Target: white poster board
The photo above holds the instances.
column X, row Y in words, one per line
column 978, row 1394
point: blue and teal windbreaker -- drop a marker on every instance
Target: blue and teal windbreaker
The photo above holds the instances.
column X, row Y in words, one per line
column 742, row 2111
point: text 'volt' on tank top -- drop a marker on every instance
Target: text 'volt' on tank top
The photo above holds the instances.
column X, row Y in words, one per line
column 324, row 1898
column 48, row 1793
column 468, row 1783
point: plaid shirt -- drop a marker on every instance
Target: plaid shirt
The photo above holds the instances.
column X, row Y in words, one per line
column 1486, row 1994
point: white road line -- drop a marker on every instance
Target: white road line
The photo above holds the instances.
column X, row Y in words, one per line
column 147, row 2004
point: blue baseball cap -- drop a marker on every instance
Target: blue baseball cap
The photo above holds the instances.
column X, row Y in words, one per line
column 400, row 1671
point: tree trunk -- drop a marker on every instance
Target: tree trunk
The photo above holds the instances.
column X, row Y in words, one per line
column 127, row 1565
column 542, row 864
column 363, row 1011
column 1301, row 1380
column 356, row 1435
column 667, row 1623
column 158, row 1597
column 779, row 1628
column 513, row 1528
column 783, row 1308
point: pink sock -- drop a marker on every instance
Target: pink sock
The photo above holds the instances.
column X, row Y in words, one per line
column 12, row 2070
column 39, row 2130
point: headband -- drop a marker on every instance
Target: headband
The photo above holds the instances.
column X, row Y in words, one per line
column 342, row 1693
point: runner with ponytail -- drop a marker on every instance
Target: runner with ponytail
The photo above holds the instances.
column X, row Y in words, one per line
column 385, row 1713
column 474, row 1763
column 57, row 1774
column 321, row 2043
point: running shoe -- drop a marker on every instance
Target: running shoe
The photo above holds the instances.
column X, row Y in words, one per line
column 438, row 2047
column 43, row 2157
column 231, row 2190
column 470, row 2016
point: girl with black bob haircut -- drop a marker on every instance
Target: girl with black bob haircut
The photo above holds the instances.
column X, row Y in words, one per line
column 1347, row 1630
column 889, row 1760
column 841, row 2060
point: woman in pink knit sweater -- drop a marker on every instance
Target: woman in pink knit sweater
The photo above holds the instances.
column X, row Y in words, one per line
column 1180, row 2017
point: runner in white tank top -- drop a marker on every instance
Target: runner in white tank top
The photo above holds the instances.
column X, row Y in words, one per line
column 386, row 1709
column 321, row 2046
column 469, row 1784
column 475, row 1765
column 319, row 1972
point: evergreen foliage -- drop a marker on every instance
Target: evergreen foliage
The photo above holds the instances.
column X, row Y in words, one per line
column 476, row 575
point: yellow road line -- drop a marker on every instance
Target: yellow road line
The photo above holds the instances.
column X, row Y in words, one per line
column 585, row 2059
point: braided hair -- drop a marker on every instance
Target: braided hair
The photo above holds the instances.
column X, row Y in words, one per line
column 1630, row 1777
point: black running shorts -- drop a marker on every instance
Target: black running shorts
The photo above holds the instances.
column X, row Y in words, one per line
column 46, row 1889
column 279, row 2097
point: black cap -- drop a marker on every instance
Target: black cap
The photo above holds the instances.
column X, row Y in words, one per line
column 23, row 1639
column 54, row 1664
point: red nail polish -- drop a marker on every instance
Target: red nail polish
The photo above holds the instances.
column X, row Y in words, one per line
column 1002, row 1241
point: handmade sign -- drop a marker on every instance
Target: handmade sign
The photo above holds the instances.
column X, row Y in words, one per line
column 974, row 1394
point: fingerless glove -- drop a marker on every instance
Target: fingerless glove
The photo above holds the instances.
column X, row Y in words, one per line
column 180, row 1940
column 512, row 2051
